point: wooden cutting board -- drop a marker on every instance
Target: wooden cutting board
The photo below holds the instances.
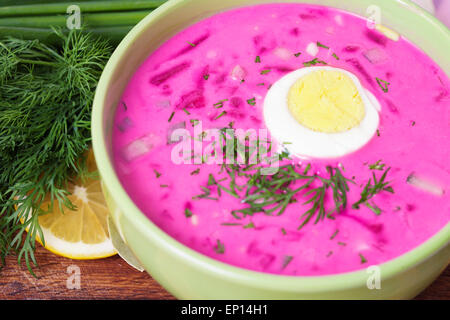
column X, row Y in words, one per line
column 110, row 278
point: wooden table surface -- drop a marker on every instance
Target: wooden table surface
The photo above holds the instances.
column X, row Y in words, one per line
column 110, row 278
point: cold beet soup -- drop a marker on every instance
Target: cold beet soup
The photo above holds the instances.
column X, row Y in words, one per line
column 288, row 139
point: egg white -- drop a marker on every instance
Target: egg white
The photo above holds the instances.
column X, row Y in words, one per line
column 304, row 142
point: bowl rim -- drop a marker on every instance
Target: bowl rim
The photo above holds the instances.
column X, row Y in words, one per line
column 329, row 282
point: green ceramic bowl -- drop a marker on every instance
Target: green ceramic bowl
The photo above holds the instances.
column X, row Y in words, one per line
column 190, row 275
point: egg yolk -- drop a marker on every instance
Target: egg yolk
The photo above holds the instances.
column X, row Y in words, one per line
column 326, row 101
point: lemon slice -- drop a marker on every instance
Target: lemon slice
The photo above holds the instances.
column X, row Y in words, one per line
column 81, row 233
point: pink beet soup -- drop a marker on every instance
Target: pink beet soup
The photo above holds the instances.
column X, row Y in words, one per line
column 391, row 193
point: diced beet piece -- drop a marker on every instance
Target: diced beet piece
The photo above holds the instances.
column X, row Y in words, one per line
column 295, row 32
column 192, row 100
column 307, row 16
column 264, row 44
column 255, row 119
column 257, row 40
column 188, row 205
column 236, row 114
column 167, row 91
column 191, row 46
column 125, row 124
column 443, row 93
column 236, row 102
column 391, row 106
column 351, row 48
column 283, row 69
column 166, row 75
column 376, row 37
column 361, row 69
column 376, row 228
column 252, row 249
column 266, row 261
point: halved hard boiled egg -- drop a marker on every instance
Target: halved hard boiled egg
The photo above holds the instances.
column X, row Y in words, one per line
column 321, row 112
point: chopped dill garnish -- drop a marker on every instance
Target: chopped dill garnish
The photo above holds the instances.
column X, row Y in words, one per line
column 286, row 261
column 283, row 231
column 194, row 122
column 164, row 185
column 322, row 45
column 363, row 259
column 195, row 172
column 206, row 76
column 229, row 224
column 307, row 168
column 329, row 254
column 220, row 115
column 266, row 71
column 191, row 44
column 187, row 112
column 251, row 101
column 378, row 133
column 188, row 213
column 374, row 208
column 342, row 243
column 171, row 116
column 377, row 166
column 258, row 59
column 297, row 54
column 220, row 247
column 249, row 226
column 334, row 234
column 384, row 85
column 125, row 107
column 339, row 186
column 372, row 188
column 335, row 56
column 220, row 104
column 205, row 195
column 211, row 180
column 157, row 174
column 314, row 62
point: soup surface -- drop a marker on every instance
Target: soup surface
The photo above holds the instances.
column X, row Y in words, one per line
column 312, row 215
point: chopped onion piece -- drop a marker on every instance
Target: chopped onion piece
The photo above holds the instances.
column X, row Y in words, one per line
column 283, row 53
column 238, row 73
column 338, row 19
column 139, row 147
column 375, row 55
column 163, row 104
column 424, row 185
column 312, row 49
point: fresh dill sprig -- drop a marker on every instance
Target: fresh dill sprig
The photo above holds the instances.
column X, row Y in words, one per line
column 45, row 109
column 372, row 188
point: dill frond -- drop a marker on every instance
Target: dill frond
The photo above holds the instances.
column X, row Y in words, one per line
column 46, row 96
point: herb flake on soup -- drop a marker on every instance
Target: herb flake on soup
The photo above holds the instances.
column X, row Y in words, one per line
column 288, row 139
